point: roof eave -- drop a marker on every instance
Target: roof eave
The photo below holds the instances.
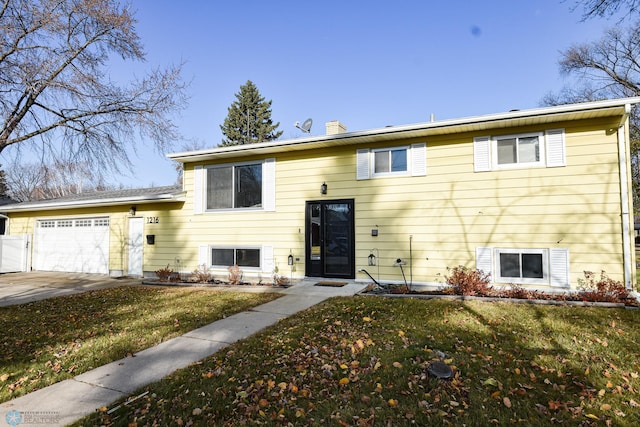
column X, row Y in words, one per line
column 615, row 107
column 161, row 198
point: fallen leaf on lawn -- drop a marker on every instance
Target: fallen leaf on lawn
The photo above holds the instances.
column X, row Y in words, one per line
column 393, row 403
column 366, row 319
column 593, row 417
column 601, row 392
column 517, row 371
column 401, row 333
column 506, row 401
column 397, row 365
column 495, row 393
column 197, row 411
column 263, row 402
column 633, row 403
column 605, row 407
column 4, row 377
column 344, row 381
column 554, row 404
column 491, row 381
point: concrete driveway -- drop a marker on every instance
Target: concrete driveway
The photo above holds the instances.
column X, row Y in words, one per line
column 20, row 288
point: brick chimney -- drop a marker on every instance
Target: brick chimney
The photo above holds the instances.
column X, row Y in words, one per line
column 334, row 127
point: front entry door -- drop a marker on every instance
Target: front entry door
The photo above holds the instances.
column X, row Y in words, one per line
column 330, row 239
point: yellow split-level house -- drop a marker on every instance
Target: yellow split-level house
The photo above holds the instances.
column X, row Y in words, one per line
column 533, row 197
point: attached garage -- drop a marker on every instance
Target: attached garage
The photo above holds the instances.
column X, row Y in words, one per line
column 72, row 244
column 99, row 232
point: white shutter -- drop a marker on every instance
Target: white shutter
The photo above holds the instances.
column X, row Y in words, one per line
column 556, row 151
column 419, row 159
column 269, row 185
column 559, row 267
column 203, row 257
column 482, row 154
column 362, row 164
column 484, row 260
column 198, row 189
column 267, row 258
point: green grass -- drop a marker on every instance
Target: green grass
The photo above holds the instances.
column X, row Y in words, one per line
column 52, row 340
column 362, row 361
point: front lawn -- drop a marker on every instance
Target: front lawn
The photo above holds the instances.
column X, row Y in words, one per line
column 363, row 361
column 55, row 339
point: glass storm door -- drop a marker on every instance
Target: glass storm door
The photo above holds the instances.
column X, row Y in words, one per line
column 330, row 239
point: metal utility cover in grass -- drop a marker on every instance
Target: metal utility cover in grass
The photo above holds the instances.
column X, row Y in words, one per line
column 440, row 370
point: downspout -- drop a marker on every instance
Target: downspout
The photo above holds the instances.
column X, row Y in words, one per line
column 624, row 197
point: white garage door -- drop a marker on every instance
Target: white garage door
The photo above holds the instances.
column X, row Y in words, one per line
column 72, row 244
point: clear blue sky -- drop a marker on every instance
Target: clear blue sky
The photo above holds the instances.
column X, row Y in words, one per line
column 368, row 64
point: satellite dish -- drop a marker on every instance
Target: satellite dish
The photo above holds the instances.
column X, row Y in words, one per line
column 306, row 125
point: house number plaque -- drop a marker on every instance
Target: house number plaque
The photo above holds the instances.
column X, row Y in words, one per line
column 153, row 220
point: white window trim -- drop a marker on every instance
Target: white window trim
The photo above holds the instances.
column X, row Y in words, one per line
column 523, row 280
column 268, row 187
column 375, row 174
column 552, row 151
column 235, row 248
column 519, row 165
column 416, row 162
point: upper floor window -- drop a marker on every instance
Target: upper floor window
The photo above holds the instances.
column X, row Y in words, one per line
column 390, row 160
column 234, row 186
column 540, row 149
column 246, row 186
column 516, row 150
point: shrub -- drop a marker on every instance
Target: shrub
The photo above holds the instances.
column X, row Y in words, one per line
column 519, row 292
column 465, row 281
column 235, row 275
column 279, row 280
column 601, row 289
column 202, row 275
column 164, row 274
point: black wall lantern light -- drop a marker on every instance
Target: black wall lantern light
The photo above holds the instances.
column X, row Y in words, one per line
column 290, row 259
column 323, row 188
column 132, row 211
column 372, row 259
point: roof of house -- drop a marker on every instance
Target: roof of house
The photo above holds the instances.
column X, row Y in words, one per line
column 171, row 193
column 547, row 115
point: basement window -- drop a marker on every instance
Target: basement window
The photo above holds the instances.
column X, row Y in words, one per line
column 242, row 257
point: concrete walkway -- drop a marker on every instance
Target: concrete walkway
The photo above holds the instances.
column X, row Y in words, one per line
column 70, row 400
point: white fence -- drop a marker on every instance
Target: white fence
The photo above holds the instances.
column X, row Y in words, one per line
column 14, row 253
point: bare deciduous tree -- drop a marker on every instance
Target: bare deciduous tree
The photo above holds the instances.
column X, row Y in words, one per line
column 608, row 8
column 32, row 181
column 55, row 87
column 607, row 68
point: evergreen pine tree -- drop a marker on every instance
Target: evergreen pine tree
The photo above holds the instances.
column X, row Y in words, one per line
column 249, row 118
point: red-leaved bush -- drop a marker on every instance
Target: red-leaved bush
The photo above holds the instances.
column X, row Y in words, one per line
column 601, row 289
column 468, row 282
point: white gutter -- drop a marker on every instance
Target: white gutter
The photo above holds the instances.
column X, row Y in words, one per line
column 624, row 196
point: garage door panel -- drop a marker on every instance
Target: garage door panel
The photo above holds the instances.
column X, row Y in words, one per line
column 75, row 245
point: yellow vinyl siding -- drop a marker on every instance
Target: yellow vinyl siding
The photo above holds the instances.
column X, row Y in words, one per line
column 444, row 215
